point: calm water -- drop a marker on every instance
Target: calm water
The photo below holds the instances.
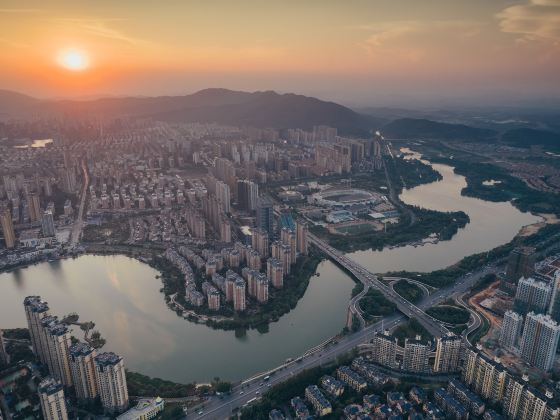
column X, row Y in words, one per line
column 491, row 224
column 121, row 295
column 36, row 144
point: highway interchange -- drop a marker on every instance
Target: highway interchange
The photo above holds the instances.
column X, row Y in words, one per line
column 217, row 408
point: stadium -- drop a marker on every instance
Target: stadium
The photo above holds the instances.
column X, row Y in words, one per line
column 343, row 198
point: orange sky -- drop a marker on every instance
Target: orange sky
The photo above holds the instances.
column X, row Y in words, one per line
column 371, row 51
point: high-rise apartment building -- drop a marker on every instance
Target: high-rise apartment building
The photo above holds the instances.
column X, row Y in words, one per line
column 532, row 295
column 34, row 207
column 448, row 353
column 82, row 367
column 239, row 295
column 3, row 355
column 415, row 357
column 523, row 402
column 275, row 272
column 259, row 241
column 58, row 341
column 485, row 376
column 254, row 260
column 265, row 215
column 47, row 223
column 510, row 332
column 111, row 382
column 51, row 397
column 224, row 196
column 247, row 194
column 286, row 257
column 540, row 340
column 521, row 263
column 35, row 311
column 288, row 237
column 554, row 307
column 262, row 288
column 301, row 233
column 384, row 349
column 7, row 228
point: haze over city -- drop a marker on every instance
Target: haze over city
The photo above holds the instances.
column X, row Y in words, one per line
column 382, row 53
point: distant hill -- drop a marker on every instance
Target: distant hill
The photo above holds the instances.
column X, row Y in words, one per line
column 526, row 137
column 14, row 103
column 258, row 109
column 418, row 128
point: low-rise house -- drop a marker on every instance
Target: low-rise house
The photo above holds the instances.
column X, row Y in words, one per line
column 319, row 402
column 394, row 397
column 369, row 371
column 417, row 394
column 276, row 415
column 351, row 411
column 353, row 379
column 450, row 405
column 301, row 410
column 332, row 386
column 145, row 409
column 371, row 401
column 432, row 412
column 465, row 396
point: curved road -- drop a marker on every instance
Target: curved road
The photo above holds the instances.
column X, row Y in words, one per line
column 218, row 409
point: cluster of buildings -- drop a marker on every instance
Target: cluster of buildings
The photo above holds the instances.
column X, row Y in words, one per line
column 415, row 355
column 77, row 368
column 32, row 180
column 479, row 387
column 323, row 398
column 492, row 382
column 531, row 329
column 234, row 275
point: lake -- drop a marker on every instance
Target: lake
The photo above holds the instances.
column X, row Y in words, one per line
column 121, row 295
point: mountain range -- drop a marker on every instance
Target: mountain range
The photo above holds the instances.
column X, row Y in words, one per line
column 268, row 109
column 257, row 109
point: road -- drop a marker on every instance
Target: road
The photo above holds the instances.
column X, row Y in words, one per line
column 369, row 279
column 79, row 222
column 218, row 409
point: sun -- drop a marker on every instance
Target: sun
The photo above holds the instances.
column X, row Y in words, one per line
column 74, row 60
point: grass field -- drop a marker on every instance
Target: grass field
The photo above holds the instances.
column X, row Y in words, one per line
column 356, row 229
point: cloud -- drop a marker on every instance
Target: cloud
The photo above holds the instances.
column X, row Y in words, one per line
column 536, row 20
column 100, row 28
column 20, row 11
column 415, row 41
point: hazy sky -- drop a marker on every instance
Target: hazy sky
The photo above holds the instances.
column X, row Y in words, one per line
column 393, row 52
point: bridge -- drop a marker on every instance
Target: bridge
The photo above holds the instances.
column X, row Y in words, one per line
column 370, row 280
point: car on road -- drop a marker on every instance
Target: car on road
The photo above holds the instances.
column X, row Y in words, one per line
column 200, row 413
column 258, row 392
column 242, row 392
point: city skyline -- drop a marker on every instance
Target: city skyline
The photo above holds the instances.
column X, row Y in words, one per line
column 372, row 53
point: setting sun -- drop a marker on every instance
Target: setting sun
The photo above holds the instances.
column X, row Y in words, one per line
column 73, row 60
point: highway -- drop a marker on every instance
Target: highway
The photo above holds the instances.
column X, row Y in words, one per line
column 79, row 222
column 221, row 408
column 369, row 279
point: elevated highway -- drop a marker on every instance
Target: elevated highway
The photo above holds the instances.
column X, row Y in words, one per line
column 369, row 279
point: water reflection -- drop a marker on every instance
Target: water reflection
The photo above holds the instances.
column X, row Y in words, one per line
column 121, row 295
column 491, row 224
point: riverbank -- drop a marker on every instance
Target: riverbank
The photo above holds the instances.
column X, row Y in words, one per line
column 437, row 226
column 258, row 316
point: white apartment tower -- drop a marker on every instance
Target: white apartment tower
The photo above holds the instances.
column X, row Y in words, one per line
column 111, row 382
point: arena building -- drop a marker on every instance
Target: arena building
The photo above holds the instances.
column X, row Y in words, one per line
column 344, row 198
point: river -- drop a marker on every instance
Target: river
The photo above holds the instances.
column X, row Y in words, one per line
column 121, row 295
column 491, row 224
